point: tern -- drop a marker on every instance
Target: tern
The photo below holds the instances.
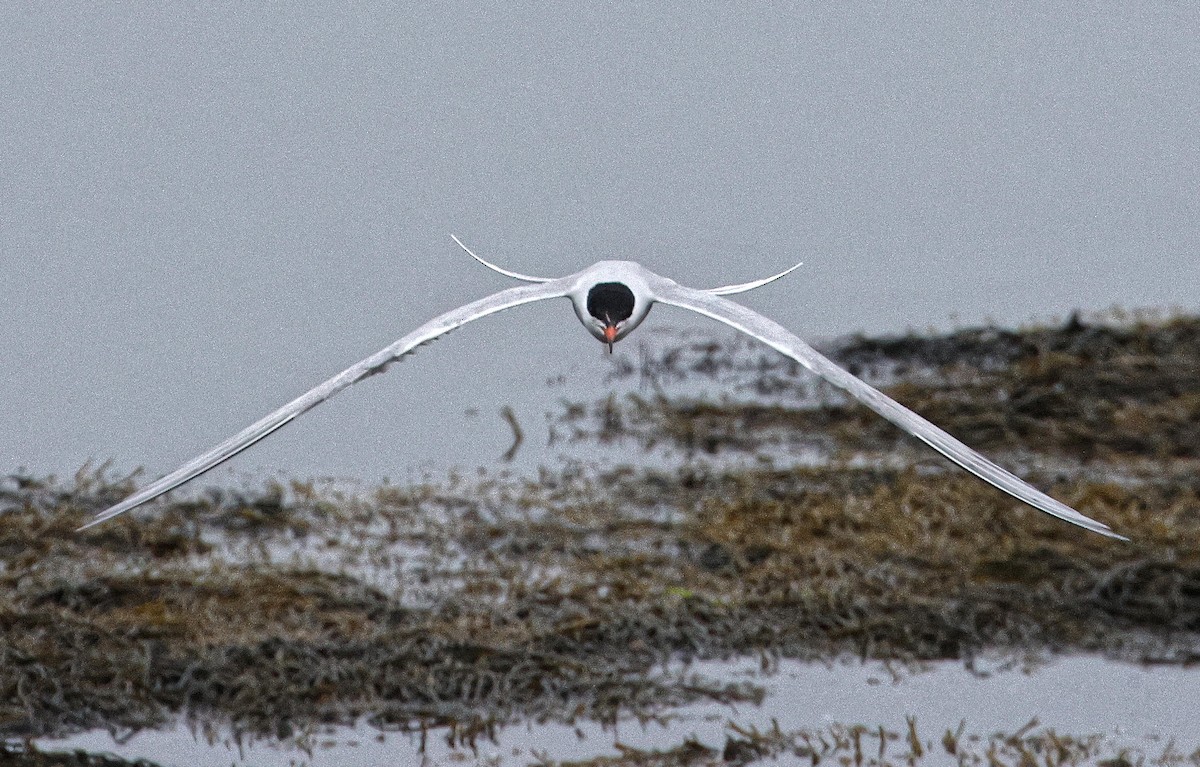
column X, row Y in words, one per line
column 611, row 298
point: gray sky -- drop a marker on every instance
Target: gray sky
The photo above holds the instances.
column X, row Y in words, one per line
column 205, row 212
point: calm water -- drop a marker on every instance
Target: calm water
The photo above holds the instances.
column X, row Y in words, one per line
column 1133, row 706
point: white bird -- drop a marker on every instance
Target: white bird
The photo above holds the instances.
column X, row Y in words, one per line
column 611, row 298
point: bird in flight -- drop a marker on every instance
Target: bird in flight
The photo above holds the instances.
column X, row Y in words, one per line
column 611, row 298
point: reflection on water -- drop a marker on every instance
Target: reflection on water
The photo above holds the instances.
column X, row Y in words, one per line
column 1128, row 706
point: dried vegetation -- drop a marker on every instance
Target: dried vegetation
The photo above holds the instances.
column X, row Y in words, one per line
column 1101, row 391
column 470, row 602
column 879, row 747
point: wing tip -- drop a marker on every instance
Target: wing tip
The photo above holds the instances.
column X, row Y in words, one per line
column 1091, row 525
column 1080, row 520
column 103, row 516
column 1108, row 532
column 116, row 510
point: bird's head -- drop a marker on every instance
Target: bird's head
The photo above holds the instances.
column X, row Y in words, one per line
column 611, row 310
column 611, row 300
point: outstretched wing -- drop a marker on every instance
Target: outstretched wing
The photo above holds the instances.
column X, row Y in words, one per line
column 783, row 341
column 376, row 363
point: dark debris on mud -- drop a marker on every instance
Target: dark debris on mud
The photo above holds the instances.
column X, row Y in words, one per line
column 472, row 602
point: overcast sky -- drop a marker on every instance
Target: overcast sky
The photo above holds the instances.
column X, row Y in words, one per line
column 205, row 212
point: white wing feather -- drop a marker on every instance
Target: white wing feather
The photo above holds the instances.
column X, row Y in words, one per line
column 376, row 363
column 785, row 342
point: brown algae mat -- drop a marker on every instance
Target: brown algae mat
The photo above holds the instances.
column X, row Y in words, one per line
column 480, row 600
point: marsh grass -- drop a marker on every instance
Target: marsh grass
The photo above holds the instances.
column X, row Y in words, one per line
column 476, row 601
column 877, row 746
column 1083, row 391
